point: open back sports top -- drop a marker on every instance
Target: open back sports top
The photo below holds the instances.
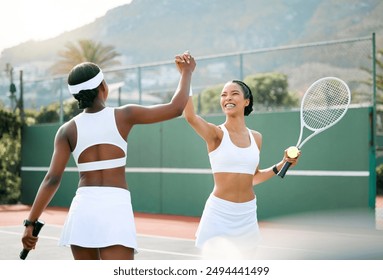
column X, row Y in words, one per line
column 228, row 157
column 95, row 129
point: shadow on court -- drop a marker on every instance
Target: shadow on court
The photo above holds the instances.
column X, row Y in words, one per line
column 327, row 235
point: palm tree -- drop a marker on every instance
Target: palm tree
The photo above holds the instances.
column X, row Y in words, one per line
column 85, row 50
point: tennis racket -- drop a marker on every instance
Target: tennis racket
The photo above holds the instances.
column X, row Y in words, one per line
column 36, row 230
column 324, row 104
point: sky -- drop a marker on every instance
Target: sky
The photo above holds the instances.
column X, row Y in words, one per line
column 24, row 20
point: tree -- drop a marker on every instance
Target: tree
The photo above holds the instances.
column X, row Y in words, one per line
column 82, row 51
column 49, row 114
column 271, row 90
column 379, row 66
column 210, row 100
column 378, row 75
column 10, row 157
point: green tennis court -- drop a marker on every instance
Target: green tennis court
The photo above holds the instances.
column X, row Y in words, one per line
column 322, row 235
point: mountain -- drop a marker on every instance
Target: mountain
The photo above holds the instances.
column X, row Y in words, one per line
column 149, row 30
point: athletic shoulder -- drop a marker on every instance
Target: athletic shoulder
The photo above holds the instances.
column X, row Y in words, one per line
column 67, row 127
column 257, row 137
column 256, row 133
column 67, row 133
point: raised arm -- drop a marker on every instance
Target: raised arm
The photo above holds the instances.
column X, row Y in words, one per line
column 136, row 114
column 208, row 131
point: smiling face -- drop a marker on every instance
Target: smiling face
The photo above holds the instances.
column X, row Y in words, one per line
column 233, row 100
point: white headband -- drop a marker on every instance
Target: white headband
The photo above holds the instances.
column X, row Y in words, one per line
column 89, row 84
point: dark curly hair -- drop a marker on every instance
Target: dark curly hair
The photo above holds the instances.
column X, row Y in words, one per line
column 82, row 73
column 248, row 95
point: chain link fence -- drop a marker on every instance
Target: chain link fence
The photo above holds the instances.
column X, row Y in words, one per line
column 350, row 60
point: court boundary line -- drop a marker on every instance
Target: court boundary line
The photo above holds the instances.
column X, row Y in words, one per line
column 167, row 253
column 139, row 249
column 57, row 226
column 165, row 237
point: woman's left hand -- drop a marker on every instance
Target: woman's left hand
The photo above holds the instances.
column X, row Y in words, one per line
column 292, row 160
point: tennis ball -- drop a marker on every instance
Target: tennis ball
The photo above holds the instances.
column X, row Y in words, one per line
column 292, row 152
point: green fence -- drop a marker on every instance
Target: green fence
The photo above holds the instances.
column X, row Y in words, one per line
column 168, row 169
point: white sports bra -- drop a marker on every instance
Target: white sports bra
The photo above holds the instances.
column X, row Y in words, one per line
column 228, row 157
column 94, row 129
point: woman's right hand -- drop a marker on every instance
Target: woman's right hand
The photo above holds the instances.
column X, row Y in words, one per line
column 29, row 241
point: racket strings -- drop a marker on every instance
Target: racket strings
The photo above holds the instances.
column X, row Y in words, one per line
column 324, row 104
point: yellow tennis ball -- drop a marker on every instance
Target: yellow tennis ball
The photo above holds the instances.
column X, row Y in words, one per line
column 292, row 152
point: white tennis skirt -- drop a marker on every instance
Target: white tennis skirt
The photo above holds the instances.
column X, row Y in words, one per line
column 100, row 217
column 230, row 221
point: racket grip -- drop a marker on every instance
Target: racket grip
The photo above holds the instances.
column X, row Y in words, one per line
column 284, row 169
column 36, row 230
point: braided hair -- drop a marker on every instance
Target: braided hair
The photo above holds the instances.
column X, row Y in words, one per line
column 82, row 73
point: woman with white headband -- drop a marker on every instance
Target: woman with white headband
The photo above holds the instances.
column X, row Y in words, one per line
column 100, row 222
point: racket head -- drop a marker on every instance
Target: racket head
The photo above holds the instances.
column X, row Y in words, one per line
column 325, row 102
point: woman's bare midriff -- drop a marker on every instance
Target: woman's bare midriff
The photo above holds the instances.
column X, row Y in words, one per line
column 234, row 187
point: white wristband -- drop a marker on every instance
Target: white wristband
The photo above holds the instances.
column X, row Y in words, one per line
column 190, row 91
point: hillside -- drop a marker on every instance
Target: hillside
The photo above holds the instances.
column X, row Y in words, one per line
column 150, row 30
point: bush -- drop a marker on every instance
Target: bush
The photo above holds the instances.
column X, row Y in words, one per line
column 379, row 179
column 51, row 113
column 10, row 157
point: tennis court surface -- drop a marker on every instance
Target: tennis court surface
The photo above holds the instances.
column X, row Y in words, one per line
column 353, row 234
